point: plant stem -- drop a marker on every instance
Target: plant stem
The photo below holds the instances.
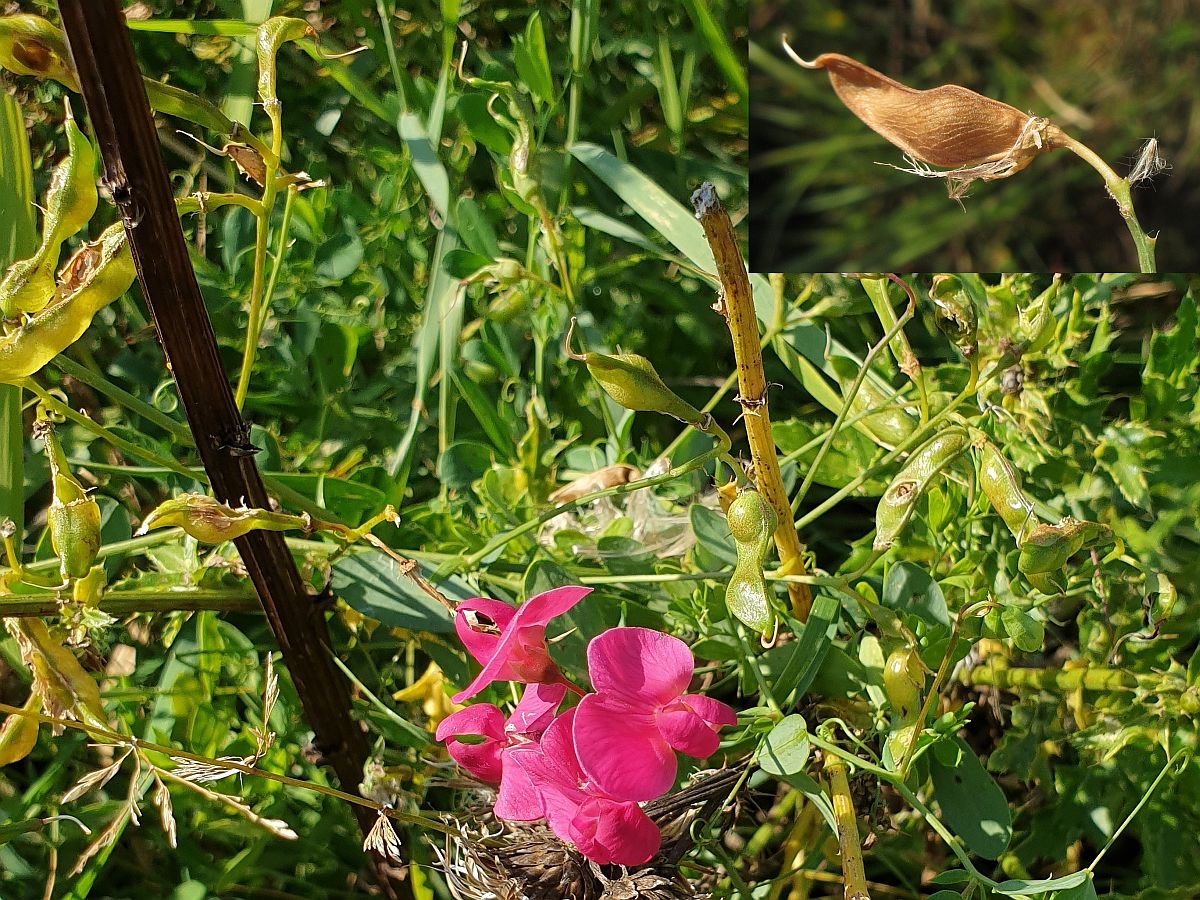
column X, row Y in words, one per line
column 128, row 447
column 996, row 673
column 105, row 736
column 896, row 328
column 1118, row 189
column 121, row 603
column 177, row 430
column 854, row 874
column 737, row 305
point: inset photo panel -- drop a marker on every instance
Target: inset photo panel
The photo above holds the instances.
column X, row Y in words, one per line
column 976, row 136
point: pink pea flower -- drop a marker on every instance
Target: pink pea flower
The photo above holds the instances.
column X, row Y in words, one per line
column 510, row 643
column 491, row 759
column 604, row 829
column 626, row 733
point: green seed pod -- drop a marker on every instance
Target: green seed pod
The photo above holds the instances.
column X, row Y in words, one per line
column 956, row 315
column 95, row 276
column 899, row 501
column 1002, row 486
column 30, row 45
column 212, row 522
column 1048, row 548
column 74, row 517
column 272, row 35
column 752, row 521
column 1038, row 323
column 632, row 381
column 71, row 199
column 902, row 682
column 28, row 286
column 890, row 425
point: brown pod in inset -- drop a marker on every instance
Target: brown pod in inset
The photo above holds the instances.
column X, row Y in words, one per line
column 948, row 126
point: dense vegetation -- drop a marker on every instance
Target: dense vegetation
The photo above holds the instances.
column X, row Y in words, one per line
column 987, row 650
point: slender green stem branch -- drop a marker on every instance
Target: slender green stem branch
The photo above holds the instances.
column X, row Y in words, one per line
column 1119, row 190
column 897, row 328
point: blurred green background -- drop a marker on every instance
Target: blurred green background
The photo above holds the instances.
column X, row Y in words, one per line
column 1111, row 74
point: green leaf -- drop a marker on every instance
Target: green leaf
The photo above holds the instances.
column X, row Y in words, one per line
column 813, row 642
column 370, row 583
column 972, row 803
column 787, row 748
column 667, row 215
column 1023, row 629
column 425, row 162
column 533, row 62
column 951, row 876
column 1019, row 886
column 463, row 263
column 712, row 532
column 472, row 109
column 463, row 462
column 909, row 588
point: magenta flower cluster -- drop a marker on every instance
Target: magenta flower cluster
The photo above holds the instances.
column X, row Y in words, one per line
column 585, row 770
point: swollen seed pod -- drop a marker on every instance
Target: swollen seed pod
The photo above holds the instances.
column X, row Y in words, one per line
column 948, row 126
column 902, row 683
column 211, row 522
column 73, row 517
column 899, row 501
column 752, row 521
column 1048, row 548
column 95, row 276
column 956, row 315
column 30, row 45
column 1002, row 486
column 632, row 382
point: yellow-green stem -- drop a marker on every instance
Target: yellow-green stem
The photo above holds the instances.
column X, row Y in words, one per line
column 854, row 875
column 1118, row 189
column 737, row 304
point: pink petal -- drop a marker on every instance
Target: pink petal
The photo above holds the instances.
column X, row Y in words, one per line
column 519, row 653
column 687, row 732
column 518, row 800
column 481, row 644
column 481, row 718
column 541, row 609
column 640, row 665
column 609, row 832
column 712, row 711
column 481, row 760
column 554, row 773
column 535, row 712
column 621, row 750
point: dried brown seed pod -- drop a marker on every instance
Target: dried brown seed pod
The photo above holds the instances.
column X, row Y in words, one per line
column 948, row 126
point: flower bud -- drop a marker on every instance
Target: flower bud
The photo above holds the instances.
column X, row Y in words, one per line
column 211, row 522
column 633, row 383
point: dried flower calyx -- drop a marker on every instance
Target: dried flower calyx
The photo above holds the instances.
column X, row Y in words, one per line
column 949, row 126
